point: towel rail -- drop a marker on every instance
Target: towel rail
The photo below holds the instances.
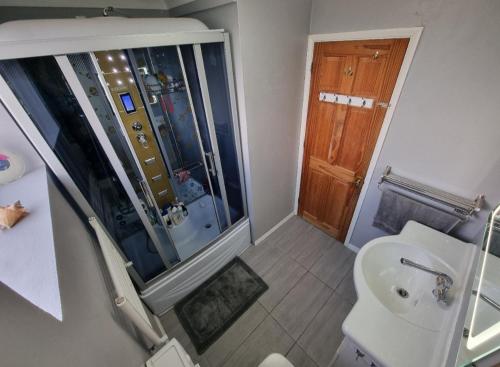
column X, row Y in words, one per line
column 460, row 204
column 487, row 299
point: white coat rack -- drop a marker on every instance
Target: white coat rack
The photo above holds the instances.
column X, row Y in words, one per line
column 345, row 99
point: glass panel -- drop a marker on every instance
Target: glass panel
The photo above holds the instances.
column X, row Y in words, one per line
column 87, row 75
column 159, row 71
column 482, row 323
column 194, row 86
column 216, row 72
column 42, row 90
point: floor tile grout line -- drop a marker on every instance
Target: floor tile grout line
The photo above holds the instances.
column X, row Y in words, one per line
column 322, row 307
column 302, row 349
column 351, row 269
column 297, row 341
column 286, row 294
column 265, row 272
column 275, row 233
column 332, row 288
column 274, row 264
column 319, row 279
column 316, row 314
column 344, row 298
column 285, row 232
column 245, row 339
column 281, row 326
column 319, row 257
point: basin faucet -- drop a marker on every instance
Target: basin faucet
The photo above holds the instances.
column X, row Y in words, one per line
column 443, row 280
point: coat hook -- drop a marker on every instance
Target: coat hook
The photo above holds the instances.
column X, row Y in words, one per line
column 364, row 103
column 376, row 55
column 349, row 102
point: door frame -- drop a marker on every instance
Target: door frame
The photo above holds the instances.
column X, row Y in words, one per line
column 413, row 34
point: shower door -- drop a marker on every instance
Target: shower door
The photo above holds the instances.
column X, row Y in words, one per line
column 151, row 99
column 162, row 105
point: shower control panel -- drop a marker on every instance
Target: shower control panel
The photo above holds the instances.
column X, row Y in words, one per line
column 127, row 102
column 120, row 81
column 137, row 126
column 141, row 138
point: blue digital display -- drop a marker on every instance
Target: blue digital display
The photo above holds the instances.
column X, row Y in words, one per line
column 127, row 102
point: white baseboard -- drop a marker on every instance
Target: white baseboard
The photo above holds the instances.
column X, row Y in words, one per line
column 353, row 248
column 268, row 233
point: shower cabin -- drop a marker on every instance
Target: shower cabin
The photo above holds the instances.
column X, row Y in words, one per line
column 137, row 119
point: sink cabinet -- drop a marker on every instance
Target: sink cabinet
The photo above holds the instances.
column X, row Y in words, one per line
column 351, row 355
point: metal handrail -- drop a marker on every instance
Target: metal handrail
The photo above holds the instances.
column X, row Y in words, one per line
column 460, row 204
column 488, row 300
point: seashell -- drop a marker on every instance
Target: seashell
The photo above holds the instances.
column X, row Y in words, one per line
column 11, row 214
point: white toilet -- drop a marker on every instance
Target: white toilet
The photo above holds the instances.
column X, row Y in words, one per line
column 275, row 360
column 174, row 355
column 171, row 355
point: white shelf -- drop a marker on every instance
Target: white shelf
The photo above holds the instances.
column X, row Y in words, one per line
column 27, row 254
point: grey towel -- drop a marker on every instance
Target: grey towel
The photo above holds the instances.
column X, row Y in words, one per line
column 395, row 210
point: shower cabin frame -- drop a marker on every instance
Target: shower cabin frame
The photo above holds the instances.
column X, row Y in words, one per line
column 161, row 292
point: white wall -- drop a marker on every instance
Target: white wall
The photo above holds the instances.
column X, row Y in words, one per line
column 273, row 38
column 269, row 42
column 445, row 131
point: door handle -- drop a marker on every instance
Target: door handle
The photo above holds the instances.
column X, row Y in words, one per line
column 358, row 182
column 145, row 191
column 211, row 162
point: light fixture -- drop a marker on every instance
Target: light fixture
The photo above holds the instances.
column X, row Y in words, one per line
column 130, row 80
column 110, row 58
column 115, row 70
column 119, row 82
column 122, row 56
column 127, row 69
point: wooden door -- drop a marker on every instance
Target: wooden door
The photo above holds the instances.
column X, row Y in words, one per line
column 340, row 138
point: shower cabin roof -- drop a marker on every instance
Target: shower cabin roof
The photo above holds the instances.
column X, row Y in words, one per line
column 42, row 29
column 42, row 37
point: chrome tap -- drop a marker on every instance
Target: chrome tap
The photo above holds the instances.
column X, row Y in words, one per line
column 443, row 280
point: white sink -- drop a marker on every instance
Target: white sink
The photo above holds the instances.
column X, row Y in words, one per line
column 413, row 329
column 386, row 277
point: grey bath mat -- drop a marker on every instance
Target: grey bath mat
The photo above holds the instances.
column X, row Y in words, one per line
column 216, row 304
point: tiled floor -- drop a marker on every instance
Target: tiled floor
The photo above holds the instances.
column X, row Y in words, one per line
column 311, row 291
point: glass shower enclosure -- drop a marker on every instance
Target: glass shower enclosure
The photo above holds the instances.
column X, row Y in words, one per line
column 148, row 137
